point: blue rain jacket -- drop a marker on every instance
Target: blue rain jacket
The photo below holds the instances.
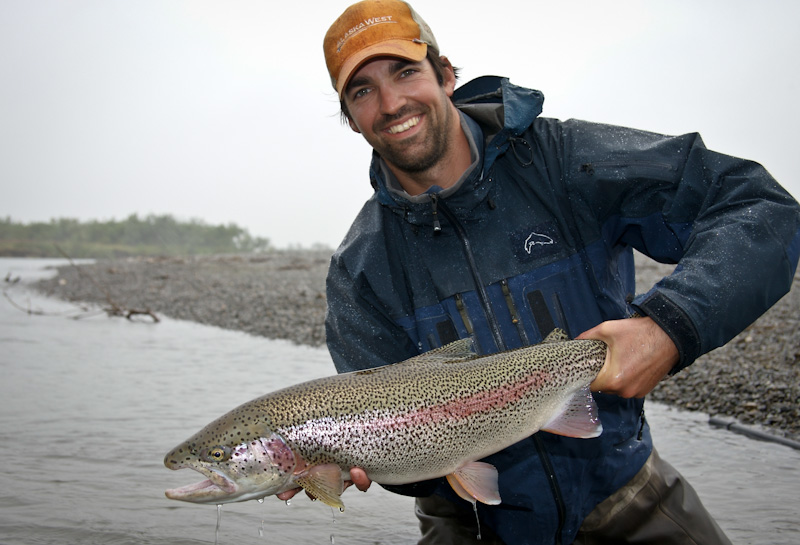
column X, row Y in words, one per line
column 540, row 235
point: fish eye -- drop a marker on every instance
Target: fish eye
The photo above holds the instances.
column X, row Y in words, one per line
column 219, row 453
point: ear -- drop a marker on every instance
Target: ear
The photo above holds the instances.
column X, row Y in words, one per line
column 449, row 83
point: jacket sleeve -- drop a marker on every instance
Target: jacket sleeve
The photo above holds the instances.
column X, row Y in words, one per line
column 360, row 336
column 732, row 230
column 359, row 333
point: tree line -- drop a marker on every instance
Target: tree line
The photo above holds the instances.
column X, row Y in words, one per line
column 133, row 236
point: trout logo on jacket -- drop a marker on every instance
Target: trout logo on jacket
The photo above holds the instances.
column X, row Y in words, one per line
column 537, row 239
column 535, row 242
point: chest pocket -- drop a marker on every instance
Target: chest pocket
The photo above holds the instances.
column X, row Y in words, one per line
column 527, row 307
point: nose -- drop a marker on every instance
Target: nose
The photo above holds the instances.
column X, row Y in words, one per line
column 392, row 99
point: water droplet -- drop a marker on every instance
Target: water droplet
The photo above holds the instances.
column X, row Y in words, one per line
column 289, row 502
column 260, row 500
column 477, row 519
column 219, row 520
column 332, row 540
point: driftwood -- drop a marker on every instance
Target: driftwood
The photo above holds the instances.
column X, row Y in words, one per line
column 114, row 308
column 129, row 313
column 17, row 306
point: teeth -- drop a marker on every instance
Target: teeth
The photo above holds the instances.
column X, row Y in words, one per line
column 405, row 126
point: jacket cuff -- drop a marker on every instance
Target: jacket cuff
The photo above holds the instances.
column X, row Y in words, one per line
column 676, row 323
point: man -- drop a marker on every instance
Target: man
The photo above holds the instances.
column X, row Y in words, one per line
column 492, row 222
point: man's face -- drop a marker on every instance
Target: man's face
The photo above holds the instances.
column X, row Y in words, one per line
column 402, row 111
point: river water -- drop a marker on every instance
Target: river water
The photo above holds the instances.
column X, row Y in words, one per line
column 91, row 404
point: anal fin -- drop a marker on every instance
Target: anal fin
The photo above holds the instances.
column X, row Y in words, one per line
column 476, row 481
column 579, row 417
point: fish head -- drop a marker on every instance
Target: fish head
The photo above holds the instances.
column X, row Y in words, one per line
column 238, row 463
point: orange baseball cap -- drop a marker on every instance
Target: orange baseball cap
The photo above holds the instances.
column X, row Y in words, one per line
column 374, row 28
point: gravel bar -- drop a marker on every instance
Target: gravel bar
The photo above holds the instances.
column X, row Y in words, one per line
column 754, row 379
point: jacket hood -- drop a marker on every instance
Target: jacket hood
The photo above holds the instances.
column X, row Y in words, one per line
column 502, row 111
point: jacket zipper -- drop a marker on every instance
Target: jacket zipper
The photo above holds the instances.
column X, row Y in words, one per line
column 512, row 310
column 494, row 327
column 589, row 168
column 483, row 296
column 437, row 226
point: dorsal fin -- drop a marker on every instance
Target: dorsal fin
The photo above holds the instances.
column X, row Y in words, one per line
column 556, row 336
column 454, row 352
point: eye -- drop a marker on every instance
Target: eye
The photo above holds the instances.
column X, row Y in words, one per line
column 219, row 453
column 360, row 93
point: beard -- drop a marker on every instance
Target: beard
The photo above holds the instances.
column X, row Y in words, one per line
column 425, row 150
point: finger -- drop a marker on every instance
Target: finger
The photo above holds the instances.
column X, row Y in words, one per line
column 289, row 494
column 602, row 381
column 360, row 479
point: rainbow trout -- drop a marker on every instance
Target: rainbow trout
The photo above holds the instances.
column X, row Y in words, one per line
column 434, row 415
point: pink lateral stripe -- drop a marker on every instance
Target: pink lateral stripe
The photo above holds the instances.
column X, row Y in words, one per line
column 464, row 407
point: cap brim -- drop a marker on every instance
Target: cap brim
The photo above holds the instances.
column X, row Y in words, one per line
column 405, row 49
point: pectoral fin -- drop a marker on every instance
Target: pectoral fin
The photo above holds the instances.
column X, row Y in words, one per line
column 578, row 418
column 476, row 481
column 324, row 482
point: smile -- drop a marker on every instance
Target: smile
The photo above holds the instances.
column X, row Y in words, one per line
column 403, row 127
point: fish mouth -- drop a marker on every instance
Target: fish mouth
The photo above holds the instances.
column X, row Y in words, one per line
column 216, row 489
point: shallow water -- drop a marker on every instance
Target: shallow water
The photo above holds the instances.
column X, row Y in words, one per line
column 90, row 407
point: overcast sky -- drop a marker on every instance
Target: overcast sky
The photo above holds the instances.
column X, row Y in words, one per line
column 223, row 110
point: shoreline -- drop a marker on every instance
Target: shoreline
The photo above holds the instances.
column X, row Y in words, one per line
column 754, row 379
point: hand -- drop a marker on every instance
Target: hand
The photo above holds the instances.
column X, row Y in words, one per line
column 358, row 477
column 640, row 354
